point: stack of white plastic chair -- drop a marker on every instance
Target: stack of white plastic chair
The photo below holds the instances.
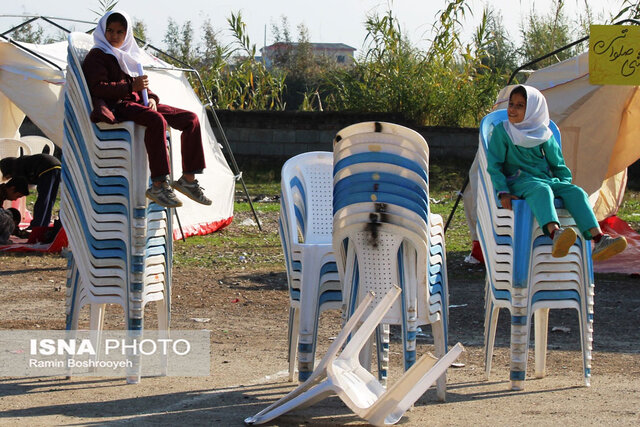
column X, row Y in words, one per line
column 305, row 226
column 384, row 233
column 341, row 373
column 121, row 249
column 523, row 276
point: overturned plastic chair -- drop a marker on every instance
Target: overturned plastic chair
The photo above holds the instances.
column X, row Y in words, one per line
column 344, row 376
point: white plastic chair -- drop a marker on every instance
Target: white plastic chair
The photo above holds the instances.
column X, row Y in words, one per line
column 305, row 229
column 344, row 376
column 38, row 143
column 10, row 147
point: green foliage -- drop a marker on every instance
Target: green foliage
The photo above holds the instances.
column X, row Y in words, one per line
column 247, row 85
column 448, row 85
column 140, row 30
column 304, row 71
column 104, row 7
column 544, row 34
column 28, row 33
column 629, row 10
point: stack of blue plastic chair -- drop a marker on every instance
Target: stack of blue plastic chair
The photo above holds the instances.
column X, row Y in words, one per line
column 120, row 247
column 523, row 276
column 305, row 226
column 385, row 234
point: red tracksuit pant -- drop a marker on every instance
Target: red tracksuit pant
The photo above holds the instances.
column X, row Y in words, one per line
column 155, row 136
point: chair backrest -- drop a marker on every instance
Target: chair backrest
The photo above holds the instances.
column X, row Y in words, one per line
column 38, row 143
column 10, row 147
column 307, row 186
column 492, row 119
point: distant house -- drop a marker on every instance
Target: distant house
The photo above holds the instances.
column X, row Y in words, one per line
column 341, row 53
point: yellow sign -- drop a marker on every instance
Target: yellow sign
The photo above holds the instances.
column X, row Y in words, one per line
column 614, row 55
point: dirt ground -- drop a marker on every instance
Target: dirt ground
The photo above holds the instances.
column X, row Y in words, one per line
column 249, row 312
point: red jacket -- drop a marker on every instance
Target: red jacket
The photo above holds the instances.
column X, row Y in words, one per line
column 108, row 85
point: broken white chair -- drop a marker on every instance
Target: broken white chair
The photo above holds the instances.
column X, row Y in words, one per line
column 344, row 376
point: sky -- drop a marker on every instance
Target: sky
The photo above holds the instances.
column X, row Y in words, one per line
column 328, row 21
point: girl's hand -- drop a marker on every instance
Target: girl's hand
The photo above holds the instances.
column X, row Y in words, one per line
column 139, row 83
column 505, row 200
column 152, row 104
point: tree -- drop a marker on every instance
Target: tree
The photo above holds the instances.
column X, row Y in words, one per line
column 179, row 41
column 304, row 71
column 140, row 30
column 28, row 33
column 544, row 34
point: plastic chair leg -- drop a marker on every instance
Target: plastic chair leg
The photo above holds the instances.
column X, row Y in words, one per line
column 309, row 311
column 404, row 393
column 96, row 323
column 382, row 347
column 541, row 325
column 294, row 322
column 437, row 329
column 490, row 325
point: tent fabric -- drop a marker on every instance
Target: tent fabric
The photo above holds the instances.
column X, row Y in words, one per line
column 32, row 86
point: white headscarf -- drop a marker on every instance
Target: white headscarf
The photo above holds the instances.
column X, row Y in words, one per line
column 129, row 55
column 534, row 129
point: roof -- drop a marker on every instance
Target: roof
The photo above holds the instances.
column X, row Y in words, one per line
column 325, row 46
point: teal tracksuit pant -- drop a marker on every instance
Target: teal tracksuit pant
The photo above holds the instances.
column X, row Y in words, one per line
column 539, row 194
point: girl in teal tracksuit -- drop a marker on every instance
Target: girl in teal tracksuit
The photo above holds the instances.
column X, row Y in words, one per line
column 525, row 161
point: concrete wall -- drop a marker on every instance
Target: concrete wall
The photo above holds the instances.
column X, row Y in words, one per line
column 281, row 135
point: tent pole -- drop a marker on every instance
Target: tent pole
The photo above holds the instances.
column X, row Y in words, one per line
column 455, row 205
column 209, row 105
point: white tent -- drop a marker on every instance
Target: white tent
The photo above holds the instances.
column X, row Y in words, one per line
column 32, row 82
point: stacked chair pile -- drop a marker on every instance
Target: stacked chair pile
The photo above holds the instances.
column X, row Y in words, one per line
column 385, row 234
column 523, row 276
column 121, row 249
column 382, row 235
column 305, row 225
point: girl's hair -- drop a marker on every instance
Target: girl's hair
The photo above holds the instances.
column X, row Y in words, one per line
column 117, row 17
column 519, row 89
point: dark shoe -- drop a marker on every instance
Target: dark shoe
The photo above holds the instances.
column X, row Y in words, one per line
column 192, row 190
column 563, row 239
column 608, row 247
column 163, row 195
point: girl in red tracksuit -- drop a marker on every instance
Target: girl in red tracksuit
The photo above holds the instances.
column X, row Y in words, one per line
column 111, row 71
